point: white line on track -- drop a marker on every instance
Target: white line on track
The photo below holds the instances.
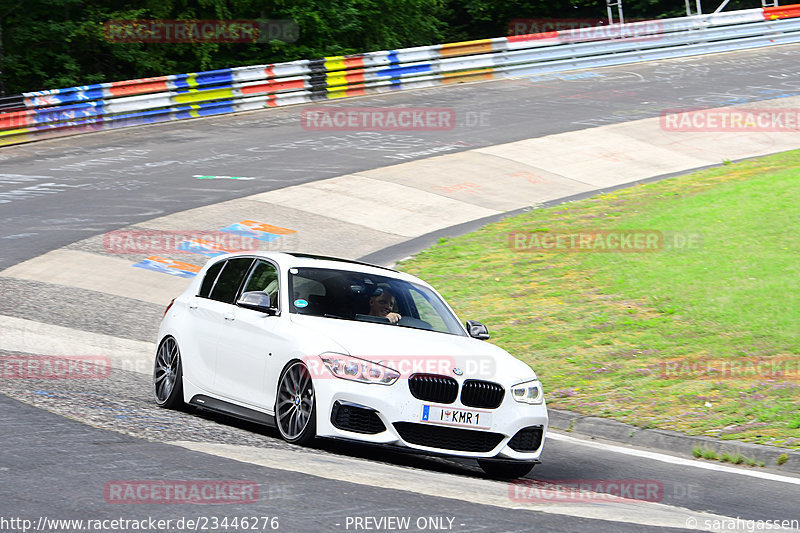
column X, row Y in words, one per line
column 37, row 338
column 671, row 459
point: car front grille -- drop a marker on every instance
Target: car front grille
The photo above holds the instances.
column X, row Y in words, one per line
column 527, row 439
column 351, row 417
column 433, row 388
column 462, row 440
column 485, row 394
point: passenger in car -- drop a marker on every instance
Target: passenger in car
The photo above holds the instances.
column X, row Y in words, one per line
column 381, row 303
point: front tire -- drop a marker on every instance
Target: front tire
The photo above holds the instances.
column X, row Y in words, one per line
column 505, row 469
column 295, row 405
column 168, row 375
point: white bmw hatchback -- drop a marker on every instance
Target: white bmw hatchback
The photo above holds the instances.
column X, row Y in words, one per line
column 324, row 347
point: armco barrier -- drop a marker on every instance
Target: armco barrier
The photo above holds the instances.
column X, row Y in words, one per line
column 103, row 106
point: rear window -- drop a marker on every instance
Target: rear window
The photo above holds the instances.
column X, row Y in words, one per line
column 211, row 277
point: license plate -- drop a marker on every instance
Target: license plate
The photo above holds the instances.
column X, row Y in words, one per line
column 456, row 417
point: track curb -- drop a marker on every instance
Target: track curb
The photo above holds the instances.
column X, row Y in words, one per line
column 669, row 441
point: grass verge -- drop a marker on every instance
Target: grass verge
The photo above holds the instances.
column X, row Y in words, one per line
column 700, row 334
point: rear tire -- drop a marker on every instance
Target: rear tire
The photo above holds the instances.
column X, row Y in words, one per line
column 296, row 405
column 505, row 469
column 168, row 375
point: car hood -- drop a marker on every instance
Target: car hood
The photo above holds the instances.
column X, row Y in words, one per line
column 411, row 350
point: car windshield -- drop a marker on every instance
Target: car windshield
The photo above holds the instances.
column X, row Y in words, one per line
column 366, row 297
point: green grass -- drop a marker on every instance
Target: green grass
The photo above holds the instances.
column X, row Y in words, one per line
column 702, row 452
column 710, row 454
column 646, row 338
column 735, row 458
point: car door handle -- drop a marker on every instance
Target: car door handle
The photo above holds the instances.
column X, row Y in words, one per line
column 192, row 306
column 230, row 317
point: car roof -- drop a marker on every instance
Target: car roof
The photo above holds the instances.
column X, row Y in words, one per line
column 300, row 259
column 338, row 259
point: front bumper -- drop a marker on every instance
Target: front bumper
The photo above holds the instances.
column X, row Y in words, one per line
column 394, row 404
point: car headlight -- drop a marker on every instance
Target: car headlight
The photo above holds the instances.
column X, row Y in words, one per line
column 357, row 369
column 528, row 392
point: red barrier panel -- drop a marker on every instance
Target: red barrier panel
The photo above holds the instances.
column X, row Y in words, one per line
column 782, row 12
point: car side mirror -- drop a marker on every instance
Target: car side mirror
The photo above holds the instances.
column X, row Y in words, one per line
column 257, row 301
column 477, row 330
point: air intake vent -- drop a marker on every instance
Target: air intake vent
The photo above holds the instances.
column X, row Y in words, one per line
column 462, row 440
column 527, row 439
column 350, row 417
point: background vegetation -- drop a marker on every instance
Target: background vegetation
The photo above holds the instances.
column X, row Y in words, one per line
column 49, row 44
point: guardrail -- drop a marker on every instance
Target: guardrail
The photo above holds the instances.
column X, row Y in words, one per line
column 103, row 106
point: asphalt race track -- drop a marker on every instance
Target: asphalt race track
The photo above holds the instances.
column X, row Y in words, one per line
column 67, row 192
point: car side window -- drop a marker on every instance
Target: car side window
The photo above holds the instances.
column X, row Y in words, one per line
column 264, row 278
column 308, row 296
column 211, row 277
column 230, row 279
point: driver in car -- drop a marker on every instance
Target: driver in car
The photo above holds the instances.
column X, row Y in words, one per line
column 381, row 303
